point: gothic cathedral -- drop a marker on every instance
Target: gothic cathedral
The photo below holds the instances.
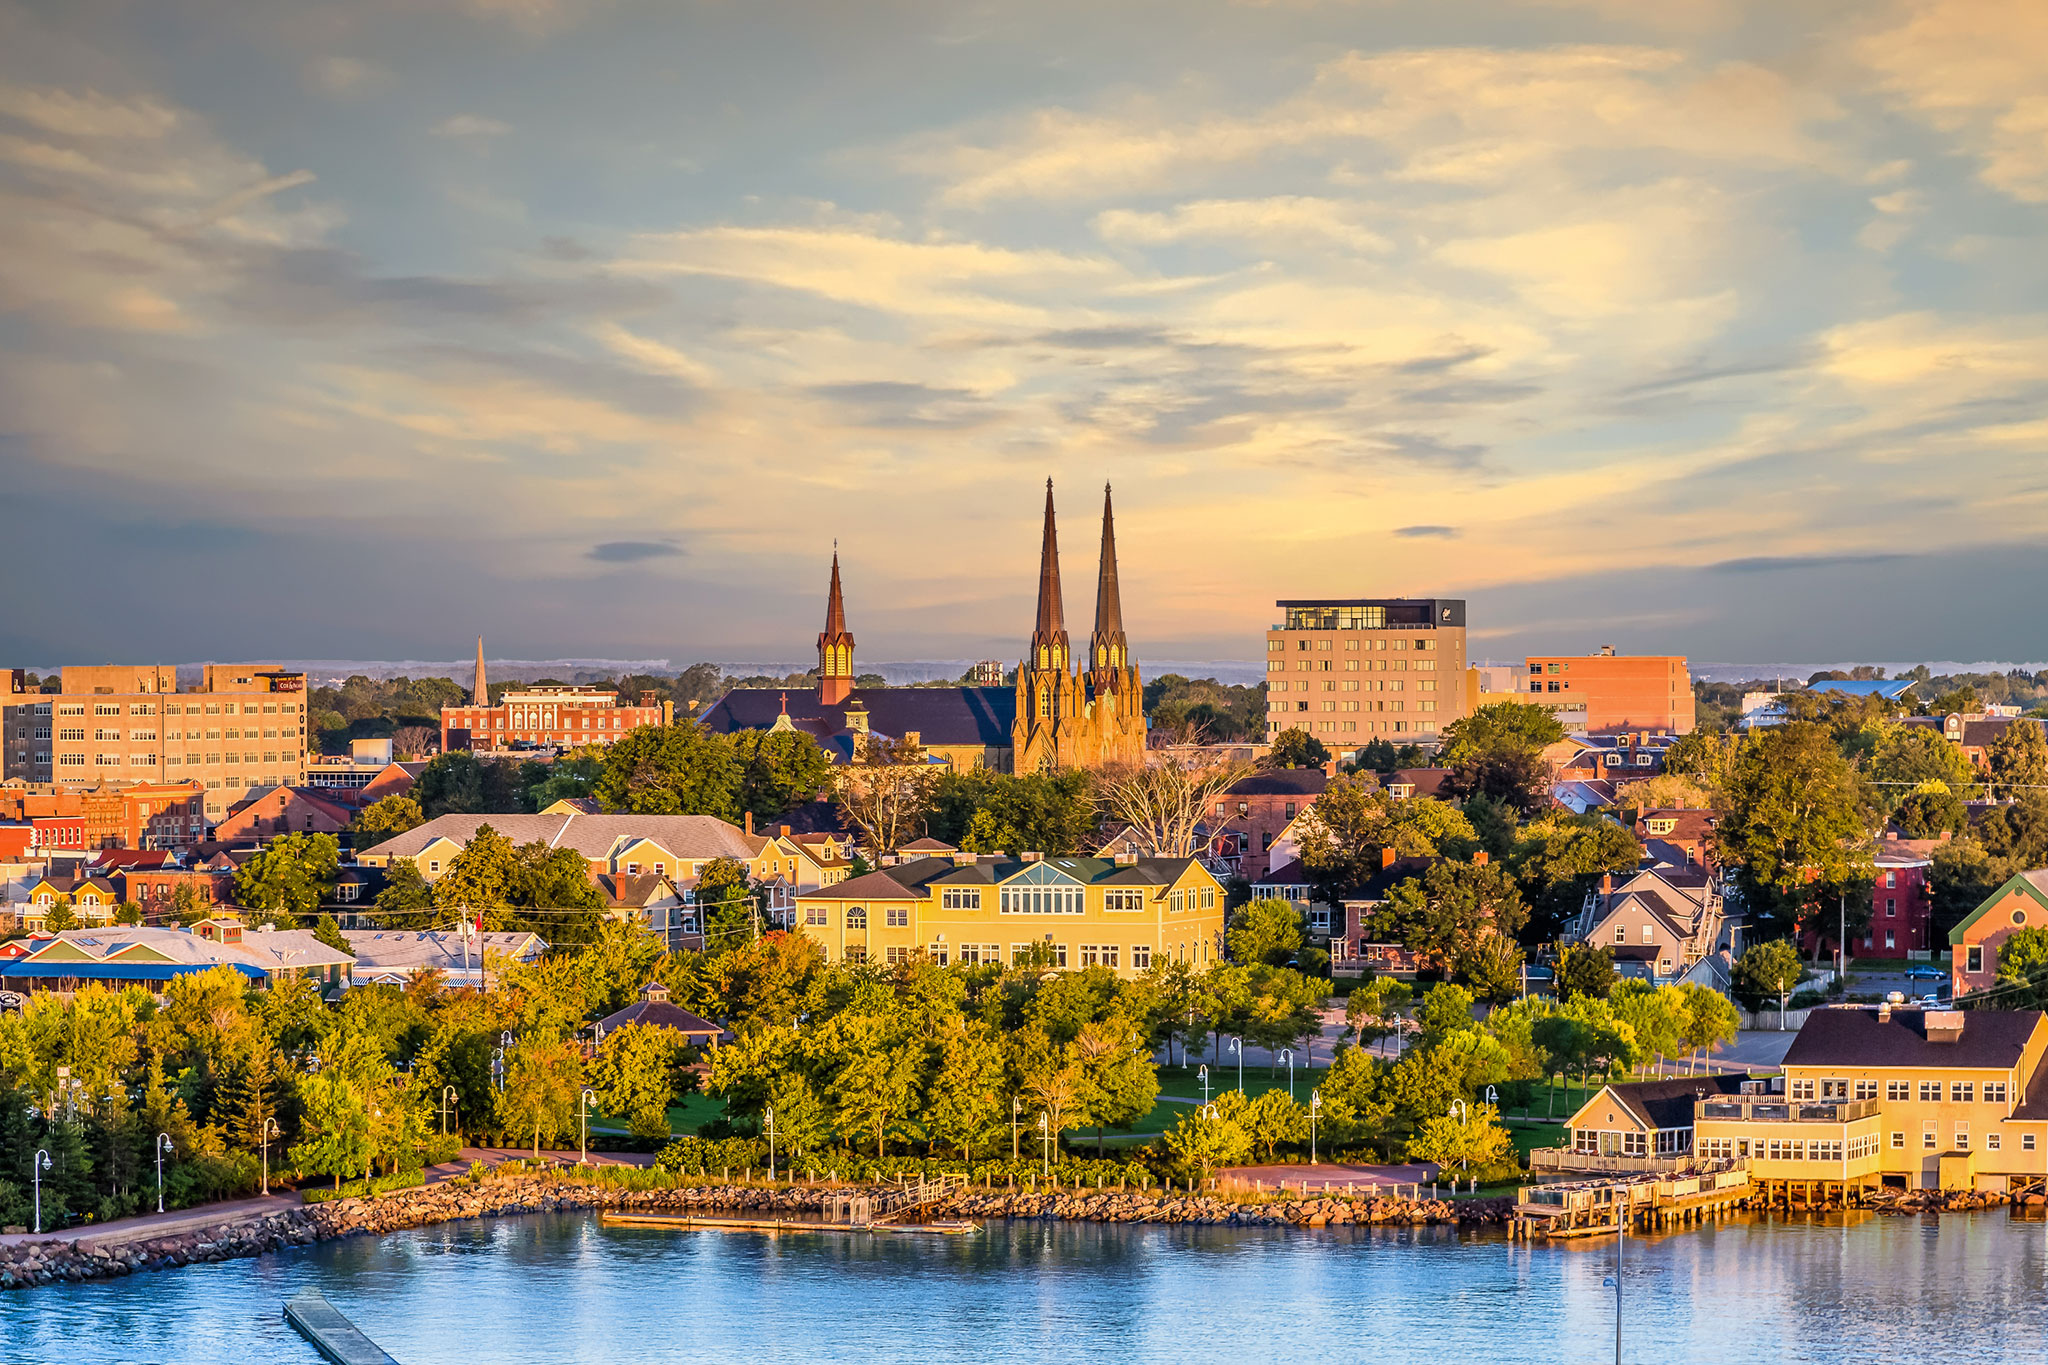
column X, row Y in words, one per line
column 1091, row 718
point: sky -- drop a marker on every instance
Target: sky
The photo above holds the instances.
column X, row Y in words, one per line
column 359, row 329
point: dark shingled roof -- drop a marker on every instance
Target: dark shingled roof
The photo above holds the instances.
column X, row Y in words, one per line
column 1669, row 1104
column 1282, row 782
column 940, row 715
column 661, row 1014
column 1990, row 1040
column 1376, row 887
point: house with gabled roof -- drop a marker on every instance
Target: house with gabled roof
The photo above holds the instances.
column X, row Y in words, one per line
column 119, row 955
column 92, row 899
column 1661, row 923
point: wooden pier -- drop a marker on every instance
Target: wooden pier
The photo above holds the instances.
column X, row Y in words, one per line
column 1587, row 1208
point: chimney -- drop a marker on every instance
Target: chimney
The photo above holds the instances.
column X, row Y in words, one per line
column 750, row 822
column 1606, row 883
column 1943, row 1026
column 1884, row 1011
column 1479, row 858
column 1031, row 857
column 784, row 831
column 1386, row 858
column 1127, row 858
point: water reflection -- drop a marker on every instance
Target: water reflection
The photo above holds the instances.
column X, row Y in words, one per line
column 558, row 1288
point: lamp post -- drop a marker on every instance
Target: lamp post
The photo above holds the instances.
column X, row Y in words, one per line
column 583, row 1120
column 163, row 1144
column 1016, row 1112
column 447, row 1098
column 1288, row 1053
column 1237, row 1046
column 1620, row 1229
column 270, row 1130
column 771, row 1144
column 1045, row 1144
column 498, row 1068
column 1315, row 1109
column 40, row 1164
column 1202, row 1075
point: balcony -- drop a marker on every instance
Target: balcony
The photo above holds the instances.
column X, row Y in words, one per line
column 1778, row 1109
column 1565, row 1160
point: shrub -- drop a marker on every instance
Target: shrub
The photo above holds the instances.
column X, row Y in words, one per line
column 367, row 1189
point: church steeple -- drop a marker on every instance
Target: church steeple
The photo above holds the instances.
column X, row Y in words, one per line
column 835, row 646
column 480, row 695
column 1049, row 638
column 1108, row 650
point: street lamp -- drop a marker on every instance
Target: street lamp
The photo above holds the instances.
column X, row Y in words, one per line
column 1288, row 1053
column 498, row 1067
column 1462, row 1112
column 1620, row 1228
column 1016, row 1111
column 447, row 1098
column 583, row 1120
column 1045, row 1143
column 163, row 1144
column 1202, row 1075
column 1315, row 1109
column 38, row 1166
column 270, row 1130
column 771, row 1144
column 1237, row 1046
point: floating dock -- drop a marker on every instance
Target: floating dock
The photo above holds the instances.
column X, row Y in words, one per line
column 332, row 1334
column 689, row 1222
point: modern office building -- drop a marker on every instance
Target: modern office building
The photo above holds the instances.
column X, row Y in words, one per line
column 1352, row 670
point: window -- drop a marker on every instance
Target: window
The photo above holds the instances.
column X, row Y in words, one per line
column 1898, row 1141
column 1994, row 1092
column 2026, row 1142
column 897, row 916
column 960, row 898
column 1621, row 933
column 856, row 917
column 1141, row 960
column 1110, row 953
column 1991, row 1142
column 1973, row 960
column 856, row 953
column 1802, row 1090
column 896, row 957
column 1930, row 1092
column 1962, row 1092
column 1891, row 907
column 1866, row 1090
column 632, row 869
column 814, row 914
column 937, row 953
column 1649, row 935
column 1834, row 1089
column 1962, row 1137
column 1927, row 1137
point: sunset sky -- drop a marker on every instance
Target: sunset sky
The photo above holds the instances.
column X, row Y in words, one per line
column 354, row 330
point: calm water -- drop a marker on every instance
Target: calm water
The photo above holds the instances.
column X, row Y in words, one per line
column 551, row 1289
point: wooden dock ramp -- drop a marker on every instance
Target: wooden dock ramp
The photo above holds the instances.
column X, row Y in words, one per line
column 331, row 1333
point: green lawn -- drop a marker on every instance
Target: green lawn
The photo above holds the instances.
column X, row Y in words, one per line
column 1182, row 1082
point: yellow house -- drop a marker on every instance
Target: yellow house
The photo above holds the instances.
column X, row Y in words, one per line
column 1126, row 913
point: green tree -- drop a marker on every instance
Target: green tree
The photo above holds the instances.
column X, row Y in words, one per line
column 60, row 916
column 1450, row 909
column 1466, row 1140
column 680, row 769
column 1508, row 774
column 1656, row 1015
column 543, row 1081
column 729, row 903
column 478, row 880
column 1296, row 748
column 187, row 906
column 635, row 1077
column 1203, row 1139
column 1558, row 858
column 385, row 818
column 1766, row 972
column 1273, row 1118
column 2018, row 759
column 964, row 1104
column 779, row 769
column 1796, row 821
column 1710, row 1020
column 1495, row 726
column 334, row 1123
column 1445, row 1010
column 1931, row 812
column 2024, row 956
column 1352, row 824
column 327, row 931
column 460, row 783
column 1372, row 1011
column 1118, row 1084
column 876, row 1076
column 1585, row 970
column 406, row 901
column 989, row 812
column 127, row 912
column 1701, row 757
column 288, row 880
column 1493, row 968
column 571, row 776
column 1265, row 931
column 1908, row 757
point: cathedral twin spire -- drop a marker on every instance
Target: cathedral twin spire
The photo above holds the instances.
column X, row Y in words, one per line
column 835, row 646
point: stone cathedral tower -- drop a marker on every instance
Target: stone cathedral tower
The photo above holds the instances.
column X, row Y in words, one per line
column 1068, row 718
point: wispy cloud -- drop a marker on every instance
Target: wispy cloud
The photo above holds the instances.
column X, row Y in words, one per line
column 633, row 551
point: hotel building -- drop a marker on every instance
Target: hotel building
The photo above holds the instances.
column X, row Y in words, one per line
column 1352, row 670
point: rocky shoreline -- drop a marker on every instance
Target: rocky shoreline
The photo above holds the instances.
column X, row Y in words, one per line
column 80, row 1257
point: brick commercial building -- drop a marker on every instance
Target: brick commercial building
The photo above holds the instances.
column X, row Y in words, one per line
column 552, row 717
column 243, row 726
column 1614, row 692
column 1352, row 670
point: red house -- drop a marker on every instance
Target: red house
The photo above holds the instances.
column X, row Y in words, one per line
column 1901, row 906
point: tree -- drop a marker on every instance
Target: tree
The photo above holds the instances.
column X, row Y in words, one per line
column 1205, row 1138
column 407, row 901
column 1931, row 812
column 478, row 880
column 1345, row 834
column 1907, row 758
column 779, row 769
column 1495, row 726
column 1165, row 805
column 964, row 1104
column 385, row 818
column 876, row 1075
column 1665, row 791
column 334, row 1123
column 2018, row 759
column 1450, row 909
column 460, row 783
column 1472, row 1137
column 1766, row 972
column 983, row 811
column 1273, row 1118
column 730, row 905
column 1118, row 1082
column 1447, row 1009
column 1372, row 1011
column 1561, row 857
column 1710, row 1020
column 1655, row 1015
column 679, row 769
column 327, row 931
column 1796, row 820
column 60, row 916
column 1493, row 968
column 1265, row 931
column 289, row 879
column 887, row 791
column 635, row 1077
column 187, row 906
column 543, row 1081
column 1584, row 970
column 1701, row 757
column 1516, row 776
column 1296, row 748
column 127, row 912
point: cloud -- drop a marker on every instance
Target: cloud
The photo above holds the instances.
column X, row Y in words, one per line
column 1280, row 219
column 1426, row 532
column 633, row 551
column 1972, row 69
column 1800, row 563
column 346, row 76
column 470, row 126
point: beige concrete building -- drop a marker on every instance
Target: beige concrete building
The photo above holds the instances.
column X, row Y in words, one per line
column 1353, row 670
column 242, row 726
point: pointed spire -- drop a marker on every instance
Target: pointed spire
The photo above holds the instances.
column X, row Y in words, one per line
column 835, row 645
column 1107, row 647
column 1049, row 637
column 480, row 695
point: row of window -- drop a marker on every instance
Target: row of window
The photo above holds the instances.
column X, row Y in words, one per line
column 1330, row 727
column 1342, row 622
column 1379, row 685
column 1057, row 955
column 1926, row 1092
column 1351, row 666
column 212, row 708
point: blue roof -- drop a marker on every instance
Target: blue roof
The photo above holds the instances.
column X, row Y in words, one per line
column 1891, row 689
column 119, row 971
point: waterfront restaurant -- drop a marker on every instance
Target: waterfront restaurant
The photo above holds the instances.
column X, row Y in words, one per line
column 1639, row 1127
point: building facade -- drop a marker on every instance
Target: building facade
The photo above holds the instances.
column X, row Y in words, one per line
column 1353, row 670
column 549, row 717
column 1126, row 913
column 1614, row 692
column 244, row 726
column 2022, row 903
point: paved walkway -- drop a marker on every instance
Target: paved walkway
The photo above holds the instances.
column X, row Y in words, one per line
column 145, row 1226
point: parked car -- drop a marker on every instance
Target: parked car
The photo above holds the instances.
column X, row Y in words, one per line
column 1924, row 971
